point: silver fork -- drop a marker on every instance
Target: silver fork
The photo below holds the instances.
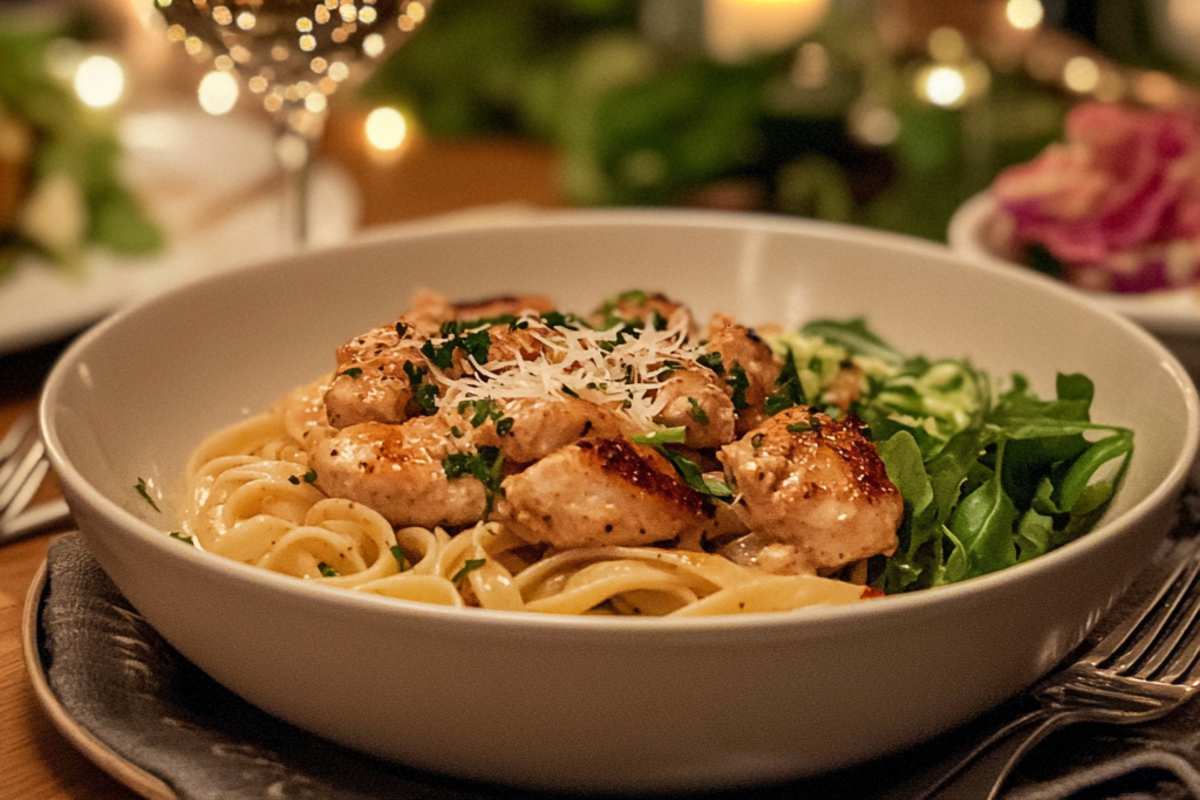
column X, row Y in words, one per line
column 23, row 467
column 1145, row 668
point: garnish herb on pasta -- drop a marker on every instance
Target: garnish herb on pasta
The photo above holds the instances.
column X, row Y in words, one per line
column 513, row 456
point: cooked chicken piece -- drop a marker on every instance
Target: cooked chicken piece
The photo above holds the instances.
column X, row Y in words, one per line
column 509, row 305
column 373, row 381
column 696, row 399
column 749, row 368
column 816, row 485
column 397, row 470
column 538, row 426
column 601, row 492
column 424, row 319
column 644, row 307
column 846, row 387
column 430, row 311
column 523, row 343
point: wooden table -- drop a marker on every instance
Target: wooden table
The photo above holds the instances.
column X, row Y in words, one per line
column 36, row 762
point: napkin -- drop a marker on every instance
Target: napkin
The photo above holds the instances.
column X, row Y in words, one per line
column 117, row 678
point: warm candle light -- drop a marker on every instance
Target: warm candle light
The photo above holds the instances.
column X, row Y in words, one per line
column 388, row 133
column 99, row 81
column 737, row 29
column 218, row 92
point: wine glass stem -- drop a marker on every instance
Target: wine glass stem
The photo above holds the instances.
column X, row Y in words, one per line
column 299, row 199
column 295, row 152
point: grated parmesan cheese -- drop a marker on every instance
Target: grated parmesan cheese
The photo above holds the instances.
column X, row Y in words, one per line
column 617, row 368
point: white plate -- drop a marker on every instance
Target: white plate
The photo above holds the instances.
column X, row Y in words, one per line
column 210, row 182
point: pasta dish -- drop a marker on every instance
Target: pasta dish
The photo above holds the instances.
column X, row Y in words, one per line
column 509, row 455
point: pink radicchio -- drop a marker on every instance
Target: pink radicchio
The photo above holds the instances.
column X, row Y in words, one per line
column 1119, row 193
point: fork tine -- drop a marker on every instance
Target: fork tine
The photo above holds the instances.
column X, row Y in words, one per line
column 1169, row 627
column 25, row 492
column 1181, row 661
column 15, row 435
column 1134, row 635
column 12, row 483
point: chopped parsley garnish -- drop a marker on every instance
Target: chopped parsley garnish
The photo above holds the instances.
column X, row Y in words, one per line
column 461, row 326
column 424, row 394
column 698, row 413
column 620, row 337
column 469, row 566
column 474, row 343
column 353, row 372
column 144, row 491
column 485, row 466
column 713, row 361
column 310, row 476
column 788, row 389
column 398, row 554
column 327, row 571
column 738, row 381
column 183, row 537
column 484, row 409
column 557, row 319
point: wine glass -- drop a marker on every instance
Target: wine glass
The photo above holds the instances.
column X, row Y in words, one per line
column 294, row 54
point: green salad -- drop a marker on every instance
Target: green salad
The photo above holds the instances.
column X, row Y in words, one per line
column 61, row 189
column 988, row 480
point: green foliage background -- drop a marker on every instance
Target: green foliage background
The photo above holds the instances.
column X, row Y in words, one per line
column 643, row 123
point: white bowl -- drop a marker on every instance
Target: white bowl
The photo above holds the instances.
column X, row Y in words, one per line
column 602, row 703
column 1173, row 315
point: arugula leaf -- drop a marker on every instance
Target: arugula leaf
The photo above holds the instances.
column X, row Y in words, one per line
column 855, row 337
column 984, row 521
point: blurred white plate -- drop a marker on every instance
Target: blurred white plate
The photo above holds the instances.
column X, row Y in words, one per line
column 210, row 182
column 1172, row 316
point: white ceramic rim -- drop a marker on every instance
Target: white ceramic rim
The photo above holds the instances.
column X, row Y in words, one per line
column 486, row 622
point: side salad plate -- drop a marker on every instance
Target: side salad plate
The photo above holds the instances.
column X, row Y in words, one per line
column 210, row 183
column 1172, row 315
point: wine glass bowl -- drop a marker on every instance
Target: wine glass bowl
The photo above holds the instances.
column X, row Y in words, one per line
column 293, row 54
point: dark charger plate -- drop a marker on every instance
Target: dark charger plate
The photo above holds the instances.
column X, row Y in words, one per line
column 157, row 723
